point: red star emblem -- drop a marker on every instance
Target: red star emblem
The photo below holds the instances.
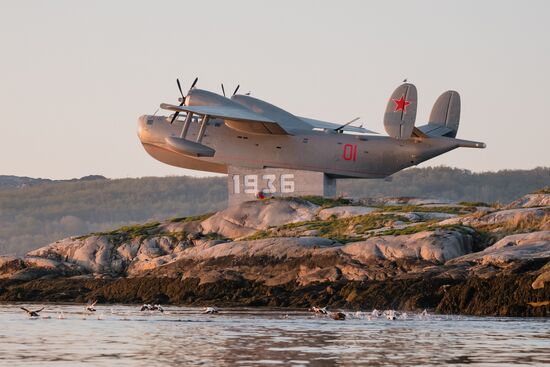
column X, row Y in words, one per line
column 401, row 104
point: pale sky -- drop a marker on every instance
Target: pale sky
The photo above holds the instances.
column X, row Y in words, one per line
column 75, row 75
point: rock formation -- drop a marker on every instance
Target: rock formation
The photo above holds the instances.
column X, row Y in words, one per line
column 407, row 252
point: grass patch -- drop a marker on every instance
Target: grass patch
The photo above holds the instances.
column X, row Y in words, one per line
column 326, row 202
column 191, row 218
column 342, row 230
column 428, row 209
column 474, row 203
column 544, row 190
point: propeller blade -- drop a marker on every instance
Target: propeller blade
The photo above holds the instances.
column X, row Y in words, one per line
column 194, row 83
column 223, row 90
column 236, row 89
column 174, row 117
column 179, row 87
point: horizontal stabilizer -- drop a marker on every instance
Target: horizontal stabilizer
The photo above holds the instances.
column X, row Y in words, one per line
column 401, row 112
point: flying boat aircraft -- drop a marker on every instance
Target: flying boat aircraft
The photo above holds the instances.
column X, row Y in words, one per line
column 212, row 132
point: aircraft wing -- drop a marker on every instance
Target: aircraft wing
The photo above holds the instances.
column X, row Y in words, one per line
column 237, row 118
column 331, row 125
column 223, row 112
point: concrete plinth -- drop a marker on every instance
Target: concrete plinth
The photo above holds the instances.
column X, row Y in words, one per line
column 246, row 184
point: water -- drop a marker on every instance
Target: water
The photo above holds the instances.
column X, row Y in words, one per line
column 123, row 336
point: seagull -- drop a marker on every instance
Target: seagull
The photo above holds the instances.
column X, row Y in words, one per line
column 90, row 308
column 146, row 307
column 32, row 313
column 375, row 313
column 211, row 310
column 338, row 315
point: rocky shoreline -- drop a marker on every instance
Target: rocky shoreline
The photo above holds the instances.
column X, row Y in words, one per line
column 392, row 253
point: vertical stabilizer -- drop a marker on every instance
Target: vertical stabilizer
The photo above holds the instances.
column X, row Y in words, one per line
column 446, row 113
column 401, row 112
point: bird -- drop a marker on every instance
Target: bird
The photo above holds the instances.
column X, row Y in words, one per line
column 338, row 315
column 34, row 313
column 390, row 314
column 321, row 310
column 158, row 308
column 90, row 307
column 211, row 310
column 146, row 307
column 375, row 313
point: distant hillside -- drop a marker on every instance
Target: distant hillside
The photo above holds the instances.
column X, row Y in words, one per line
column 17, row 182
column 34, row 212
column 453, row 184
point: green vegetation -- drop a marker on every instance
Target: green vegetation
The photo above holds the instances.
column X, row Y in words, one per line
column 452, row 183
column 326, row 202
column 191, row 218
column 342, row 230
column 545, row 190
column 474, row 203
column 427, row 209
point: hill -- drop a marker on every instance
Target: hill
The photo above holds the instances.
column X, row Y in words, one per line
column 34, row 212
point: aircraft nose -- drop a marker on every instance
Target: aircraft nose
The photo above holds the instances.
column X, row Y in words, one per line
column 142, row 126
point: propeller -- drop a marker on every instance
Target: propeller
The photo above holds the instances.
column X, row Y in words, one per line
column 236, row 89
column 182, row 97
column 234, row 92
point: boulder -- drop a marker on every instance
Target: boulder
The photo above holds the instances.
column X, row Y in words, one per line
column 530, row 201
column 438, row 246
column 277, row 247
column 523, row 246
column 249, row 217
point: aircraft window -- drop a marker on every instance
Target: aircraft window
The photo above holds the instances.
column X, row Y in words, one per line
column 217, row 124
column 305, row 140
column 245, row 137
column 278, row 147
column 339, row 143
column 149, row 121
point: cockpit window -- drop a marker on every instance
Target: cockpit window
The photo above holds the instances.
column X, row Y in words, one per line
column 150, row 120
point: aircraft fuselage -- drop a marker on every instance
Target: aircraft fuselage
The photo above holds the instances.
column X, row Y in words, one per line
column 337, row 154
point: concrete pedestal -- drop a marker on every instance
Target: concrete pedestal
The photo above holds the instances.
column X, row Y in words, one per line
column 246, row 184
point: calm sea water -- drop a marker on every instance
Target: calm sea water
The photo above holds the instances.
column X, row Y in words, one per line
column 121, row 335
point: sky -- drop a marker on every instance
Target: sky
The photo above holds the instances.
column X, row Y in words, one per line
column 76, row 75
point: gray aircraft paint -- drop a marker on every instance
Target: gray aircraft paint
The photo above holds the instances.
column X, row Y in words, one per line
column 250, row 133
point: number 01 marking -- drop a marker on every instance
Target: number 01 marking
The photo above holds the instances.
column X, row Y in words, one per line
column 350, row 152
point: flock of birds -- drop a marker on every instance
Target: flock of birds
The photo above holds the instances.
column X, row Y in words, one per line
column 336, row 315
column 375, row 314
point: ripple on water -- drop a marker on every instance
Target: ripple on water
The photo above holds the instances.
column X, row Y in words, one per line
column 181, row 335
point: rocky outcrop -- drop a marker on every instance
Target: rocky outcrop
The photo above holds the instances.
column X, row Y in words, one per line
column 523, row 246
column 249, row 217
column 343, row 254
